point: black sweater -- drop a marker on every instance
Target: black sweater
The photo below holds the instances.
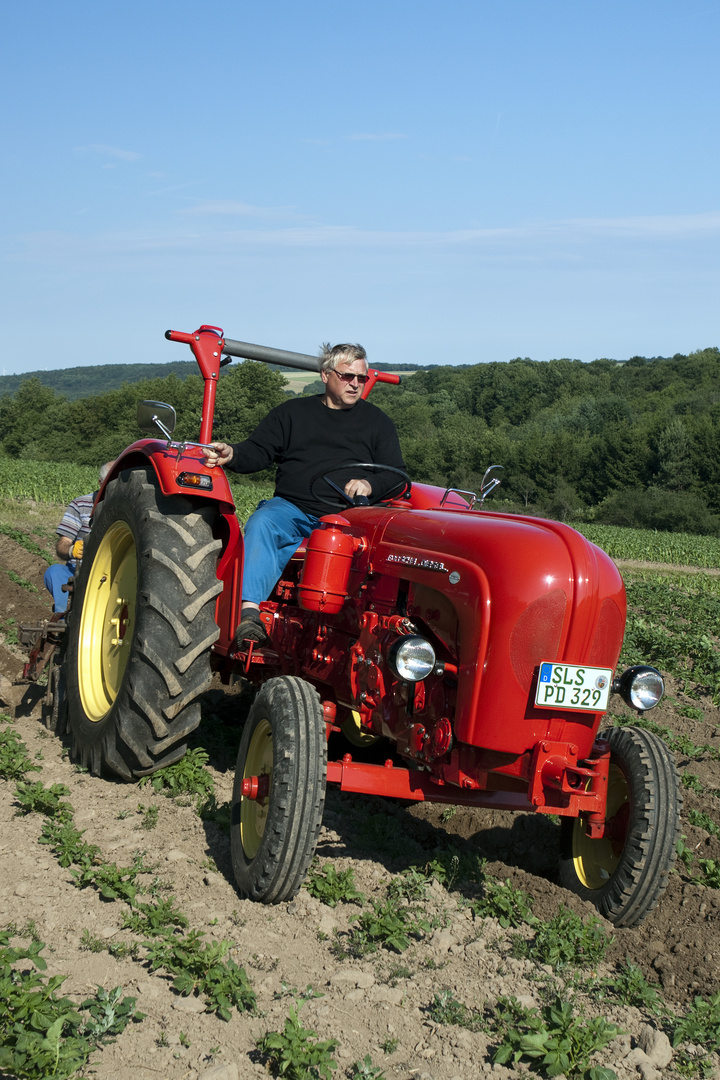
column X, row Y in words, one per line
column 305, row 438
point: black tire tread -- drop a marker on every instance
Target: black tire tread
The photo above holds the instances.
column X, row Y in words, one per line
column 297, row 796
column 642, row 875
column 168, row 668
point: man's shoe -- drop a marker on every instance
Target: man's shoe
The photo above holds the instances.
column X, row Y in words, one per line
column 251, row 628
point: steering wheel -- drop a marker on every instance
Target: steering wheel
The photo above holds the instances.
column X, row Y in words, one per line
column 359, row 500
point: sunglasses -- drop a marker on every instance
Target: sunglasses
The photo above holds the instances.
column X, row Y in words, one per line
column 350, row 376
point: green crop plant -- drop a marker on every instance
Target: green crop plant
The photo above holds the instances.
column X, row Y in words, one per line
column 296, row 1052
column 67, row 844
column 154, row 919
column 630, row 987
column 551, row 1040
column 700, row 1025
column 709, row 874
column 690, row 711
column 92, row 944
column 186, row 777
column 365, row 1070
column 693, row 1064
column 385, row 926
column 332, row 886
column 34, row 798
column 411, row 885
column 446, row 1009
column 685, row 854
column 692, row 782
column 501, row 900
column 9, row 628
column 111, row 881
column 565, row 940
column 701, row 820
column 14, row 760
column 45, row 1035
column 22, row 582
column 149, row 816
column 24, row 540
column 202, row 969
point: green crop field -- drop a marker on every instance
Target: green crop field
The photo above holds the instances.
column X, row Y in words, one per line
column 681, row 549
column 45, row 481
column 59, row 482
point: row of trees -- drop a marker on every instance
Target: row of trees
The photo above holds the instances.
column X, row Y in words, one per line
column 634, row 443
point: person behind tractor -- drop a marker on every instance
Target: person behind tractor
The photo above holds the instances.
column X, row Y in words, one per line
column 71, row 531
column 306, row 437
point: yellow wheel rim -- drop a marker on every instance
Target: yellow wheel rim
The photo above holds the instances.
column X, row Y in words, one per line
column 107, row 621
column 253, row 812
column 354, row 732
column 595, row 861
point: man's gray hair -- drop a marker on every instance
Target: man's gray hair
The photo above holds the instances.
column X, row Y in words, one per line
column 331, row 355
column 104, row 470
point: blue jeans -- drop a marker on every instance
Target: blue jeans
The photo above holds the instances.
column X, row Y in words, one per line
column 272, row 534
column 54, row 578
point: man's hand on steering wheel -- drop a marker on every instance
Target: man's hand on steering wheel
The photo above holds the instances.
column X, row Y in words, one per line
column 353, row 488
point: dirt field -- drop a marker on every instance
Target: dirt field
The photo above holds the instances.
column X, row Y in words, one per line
column 377, row 1005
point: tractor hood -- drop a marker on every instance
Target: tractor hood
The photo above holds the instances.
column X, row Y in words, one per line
column 523, row 589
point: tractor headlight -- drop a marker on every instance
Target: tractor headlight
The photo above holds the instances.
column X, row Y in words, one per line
column 641, row 687
column 411, row 658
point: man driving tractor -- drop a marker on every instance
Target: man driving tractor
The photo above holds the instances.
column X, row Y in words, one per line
column 305, row 437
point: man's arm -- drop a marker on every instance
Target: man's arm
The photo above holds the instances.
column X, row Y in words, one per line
column 64, row 547
column 256, row 452
column 68, row 530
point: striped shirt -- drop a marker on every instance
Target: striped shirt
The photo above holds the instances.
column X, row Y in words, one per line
column 75, row 522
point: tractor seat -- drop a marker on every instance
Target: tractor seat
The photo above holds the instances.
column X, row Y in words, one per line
column 299, row 553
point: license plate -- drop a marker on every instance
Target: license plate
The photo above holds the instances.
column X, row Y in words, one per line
column 570, row 686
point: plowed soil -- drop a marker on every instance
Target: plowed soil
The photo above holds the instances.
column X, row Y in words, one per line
column 377, row 1005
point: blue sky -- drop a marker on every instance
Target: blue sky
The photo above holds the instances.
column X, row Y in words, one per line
column 448, row 182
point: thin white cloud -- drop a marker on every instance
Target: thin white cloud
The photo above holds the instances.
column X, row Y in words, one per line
column 233, row 208
column 103, row 150
column 370, row 137
column 558, row 240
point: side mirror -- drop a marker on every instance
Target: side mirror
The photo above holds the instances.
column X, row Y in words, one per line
column 154, row 416
column 489, row 482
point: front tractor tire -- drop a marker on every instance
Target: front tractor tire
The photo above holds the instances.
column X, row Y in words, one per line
column 141, row 628
column 625, row 872
column 283, row 746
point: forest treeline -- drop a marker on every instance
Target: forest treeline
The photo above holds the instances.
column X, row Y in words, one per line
column 632, row 444
column 78, row 382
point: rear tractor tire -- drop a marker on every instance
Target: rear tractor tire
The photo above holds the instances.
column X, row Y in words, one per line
column 283, row 745
column 625, row 872
column 141, row 627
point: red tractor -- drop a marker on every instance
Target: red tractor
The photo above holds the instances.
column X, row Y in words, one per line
column 480, row 646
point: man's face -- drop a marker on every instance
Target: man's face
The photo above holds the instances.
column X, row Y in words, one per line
column 339, row 393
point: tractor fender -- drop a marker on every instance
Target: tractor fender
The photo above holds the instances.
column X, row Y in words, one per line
column 168, row 465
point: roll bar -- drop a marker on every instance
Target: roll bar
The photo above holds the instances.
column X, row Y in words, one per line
column 208, row 344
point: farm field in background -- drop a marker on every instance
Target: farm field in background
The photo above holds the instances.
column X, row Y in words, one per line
column 59, row 482
column 680, row 549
